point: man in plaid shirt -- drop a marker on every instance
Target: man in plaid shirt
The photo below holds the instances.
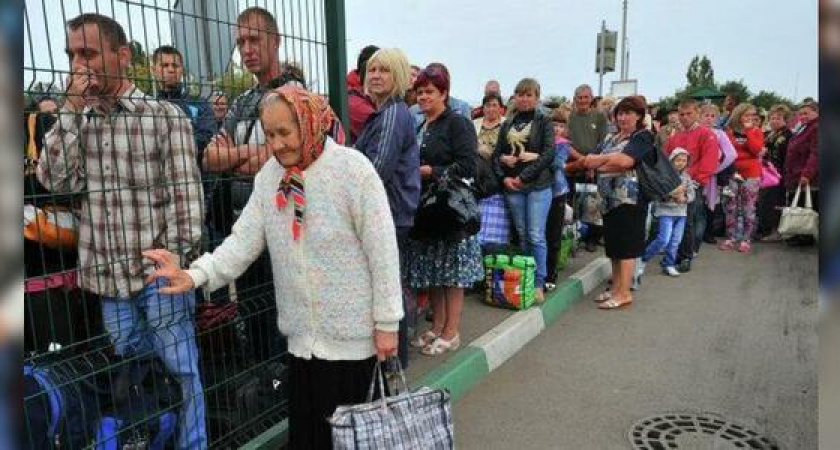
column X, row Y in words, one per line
column 133, row 159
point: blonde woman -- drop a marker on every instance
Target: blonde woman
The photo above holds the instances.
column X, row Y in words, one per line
column 388, row 140
column 524, row 160
column 748, row 141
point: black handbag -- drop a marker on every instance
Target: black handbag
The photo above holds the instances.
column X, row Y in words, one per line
column 657, row 176
column 448, row 210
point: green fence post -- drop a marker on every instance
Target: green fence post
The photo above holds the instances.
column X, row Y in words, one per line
column 337, row 59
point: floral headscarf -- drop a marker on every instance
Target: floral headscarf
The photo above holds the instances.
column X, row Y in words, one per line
column 316, row 120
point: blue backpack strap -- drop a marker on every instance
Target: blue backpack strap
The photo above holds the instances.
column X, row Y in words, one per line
column 53, row 395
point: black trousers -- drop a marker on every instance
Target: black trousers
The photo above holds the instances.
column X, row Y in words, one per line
column 317, row 388
column 695, row 227
column 554, row 235
column 769, row 201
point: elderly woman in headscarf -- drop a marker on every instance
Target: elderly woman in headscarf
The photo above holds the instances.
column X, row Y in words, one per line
column 322, row 212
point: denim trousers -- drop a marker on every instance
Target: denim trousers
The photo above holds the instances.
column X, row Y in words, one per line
column 149, row 322
column 668, row 238
column 529, row 212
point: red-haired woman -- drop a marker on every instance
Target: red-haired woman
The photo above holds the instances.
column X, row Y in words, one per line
column 444, row 264
column 624, row 209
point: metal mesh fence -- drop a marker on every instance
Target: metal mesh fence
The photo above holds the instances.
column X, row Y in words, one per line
column 145, row 136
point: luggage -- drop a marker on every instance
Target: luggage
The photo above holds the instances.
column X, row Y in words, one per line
column 510, row 281
column 567, row 246
column 800, row 221
column 410, row 420
column 92, row 399
column 657, row 179
column 144, row 411
column 238, row 393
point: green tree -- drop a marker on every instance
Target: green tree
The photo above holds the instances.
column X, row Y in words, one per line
column 234, row 82
column 738, row 89
column 700, row 73
column 767, row 99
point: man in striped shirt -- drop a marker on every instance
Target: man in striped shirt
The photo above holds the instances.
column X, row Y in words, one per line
column 133, row 160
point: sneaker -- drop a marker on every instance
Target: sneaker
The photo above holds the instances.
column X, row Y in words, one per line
column 745, row 247
column 684, row 266
column 671, row 271
column 549, row 286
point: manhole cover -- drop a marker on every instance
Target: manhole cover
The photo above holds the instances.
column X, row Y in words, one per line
column 689, row 431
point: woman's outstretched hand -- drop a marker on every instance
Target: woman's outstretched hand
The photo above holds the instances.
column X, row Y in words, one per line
column 167, row 267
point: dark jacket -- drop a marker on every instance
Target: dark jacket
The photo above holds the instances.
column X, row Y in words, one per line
column 388, row 141
column 535, row 175
column 449, row 143
column 200, row 114
column 776, row 143
column 802, row 159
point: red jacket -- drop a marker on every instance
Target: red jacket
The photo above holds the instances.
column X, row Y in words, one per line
column 359, row 105
column 748, row 144
column 703, row 149
column 802, row 159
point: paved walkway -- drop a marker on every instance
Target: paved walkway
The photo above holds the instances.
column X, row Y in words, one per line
column 735, row 337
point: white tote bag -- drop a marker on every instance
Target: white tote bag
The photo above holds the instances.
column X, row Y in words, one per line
column 797, row 220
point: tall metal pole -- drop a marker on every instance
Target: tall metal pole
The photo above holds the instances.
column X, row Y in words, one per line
column 624, row 72
column 602, row 56
column 337, row 58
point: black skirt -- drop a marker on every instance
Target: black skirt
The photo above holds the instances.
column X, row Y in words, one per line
column 317, row 388
column 624, row 231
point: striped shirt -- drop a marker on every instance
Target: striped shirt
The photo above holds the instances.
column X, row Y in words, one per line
column 136, row 168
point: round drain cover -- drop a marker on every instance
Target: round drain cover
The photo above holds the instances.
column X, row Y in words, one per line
column 690, row 431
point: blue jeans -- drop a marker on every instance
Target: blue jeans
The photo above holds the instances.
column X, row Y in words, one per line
column 670, row 234
column 529, row 211
column 164, row 324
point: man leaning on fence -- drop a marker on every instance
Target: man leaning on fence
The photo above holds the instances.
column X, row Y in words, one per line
column 133, row 159
column 238, row 152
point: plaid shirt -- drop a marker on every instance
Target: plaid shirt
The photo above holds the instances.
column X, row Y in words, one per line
column 136, row 168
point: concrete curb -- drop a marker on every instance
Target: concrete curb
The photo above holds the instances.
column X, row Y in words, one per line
column 474, row 362
column 491, row 350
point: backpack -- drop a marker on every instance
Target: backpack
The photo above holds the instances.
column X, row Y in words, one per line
column 144, row 411
column 94, row 399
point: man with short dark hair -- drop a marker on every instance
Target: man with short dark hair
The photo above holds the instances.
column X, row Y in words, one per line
column 131, row 159
column 704, row 156
column 238, row 151
column 168, row 70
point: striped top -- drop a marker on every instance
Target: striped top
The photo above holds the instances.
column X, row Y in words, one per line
column 136, row 168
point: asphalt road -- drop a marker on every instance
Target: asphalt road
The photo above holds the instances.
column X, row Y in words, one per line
column 736, row 337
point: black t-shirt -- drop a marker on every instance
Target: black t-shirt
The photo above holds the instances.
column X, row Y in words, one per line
column 641, row 147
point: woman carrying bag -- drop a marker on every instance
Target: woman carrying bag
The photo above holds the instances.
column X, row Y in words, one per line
column 444, row 263
column 322, row 212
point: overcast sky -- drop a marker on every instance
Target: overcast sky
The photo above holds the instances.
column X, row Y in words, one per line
column 767, row 43
column 770, row 44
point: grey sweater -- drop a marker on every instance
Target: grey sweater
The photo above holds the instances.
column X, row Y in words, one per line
column 673, row 208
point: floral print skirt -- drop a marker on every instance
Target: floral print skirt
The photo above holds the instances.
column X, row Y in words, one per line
column 444, row 263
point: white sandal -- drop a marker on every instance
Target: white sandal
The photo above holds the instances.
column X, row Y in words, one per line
column 606, row 295
column 423, row 339
column 440, row 346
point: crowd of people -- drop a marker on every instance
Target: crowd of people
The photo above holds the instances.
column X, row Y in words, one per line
column 270, row 187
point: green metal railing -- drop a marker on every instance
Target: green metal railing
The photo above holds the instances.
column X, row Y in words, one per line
column 241, row 357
